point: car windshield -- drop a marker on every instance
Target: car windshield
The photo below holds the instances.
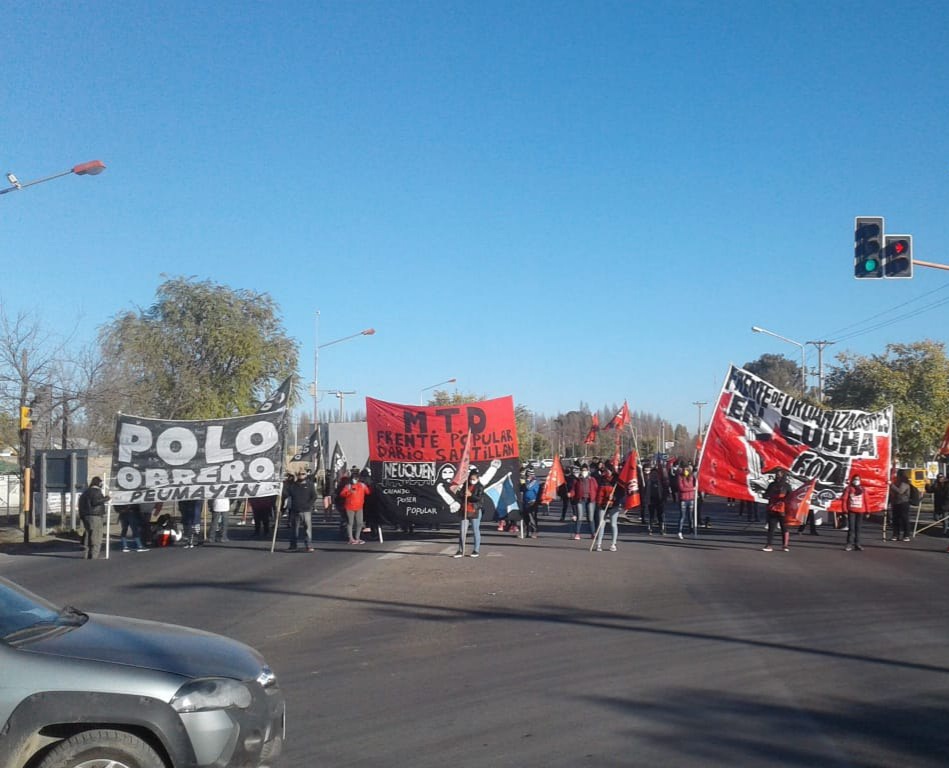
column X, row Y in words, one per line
column 22, row 611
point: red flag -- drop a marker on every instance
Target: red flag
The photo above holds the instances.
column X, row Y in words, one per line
column 461, row 471
column 629, row 477
column 590, row 439
column 555, row 478
column 944, row 448
column 798, row 503
column 621, row 419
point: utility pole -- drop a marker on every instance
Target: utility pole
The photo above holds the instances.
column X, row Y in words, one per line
column 820, row 367
column 700, row 404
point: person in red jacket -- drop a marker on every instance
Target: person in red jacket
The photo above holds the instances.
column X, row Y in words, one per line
column 353, row 495
column 584, row 496
column 856, row 506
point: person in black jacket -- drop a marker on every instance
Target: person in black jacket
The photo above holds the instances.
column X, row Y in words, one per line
column 940, row 491
column 301, row 495
column 91, row 513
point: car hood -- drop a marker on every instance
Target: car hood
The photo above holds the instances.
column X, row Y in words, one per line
column 165, row 647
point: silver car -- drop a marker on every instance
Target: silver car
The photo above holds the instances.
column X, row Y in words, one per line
column 82, row 690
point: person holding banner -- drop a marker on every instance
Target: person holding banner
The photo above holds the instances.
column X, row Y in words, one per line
column 777, row 494
column 470, row 494
column 856, row 506
column 91, row 513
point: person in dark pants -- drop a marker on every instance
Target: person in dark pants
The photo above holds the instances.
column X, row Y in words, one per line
column 777, row 494
column 856, row 506
column 91, row 513
column 900, row 495
column 531, row 498
column 301, row 495
column 940, row 491
column 655, row 496
column 262, row 508
column 189, row 509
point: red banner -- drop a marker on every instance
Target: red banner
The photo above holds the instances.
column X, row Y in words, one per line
column 417, row 452
column 756, row 429
column 555, row 478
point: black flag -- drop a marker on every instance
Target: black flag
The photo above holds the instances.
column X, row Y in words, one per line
column 309, row 451
column 278, row 399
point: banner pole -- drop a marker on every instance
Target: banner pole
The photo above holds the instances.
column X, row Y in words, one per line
column 276, row 522
column 602, row 523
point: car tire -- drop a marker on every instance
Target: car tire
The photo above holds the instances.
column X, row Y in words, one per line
column 102, row 749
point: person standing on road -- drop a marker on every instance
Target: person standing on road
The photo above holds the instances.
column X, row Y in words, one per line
column 686, row 483
column 901, row 494
column 584, row 496
column 130, row 527
column 220, row 512
column 354, row 502
column 856, row 506
column 655, row 495
column 569, row 504
column 301, row 495
column 940, row 491
column 531, row 498
column 262, row 509
column 91, row 513
column 777, row 494
column 607, row 503
column 470, row 495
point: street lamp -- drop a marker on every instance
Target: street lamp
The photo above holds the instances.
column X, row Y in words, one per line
column 423, row 390
column 316, row 360
column 758, row 329
column 92, row 168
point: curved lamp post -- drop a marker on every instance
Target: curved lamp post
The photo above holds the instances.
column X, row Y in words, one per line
column 423, row 390
column 92, row 168
column 758, row 329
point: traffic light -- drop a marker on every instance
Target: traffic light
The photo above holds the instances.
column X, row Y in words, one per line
column 868, row 246
column 898, row 256
column 26, row 417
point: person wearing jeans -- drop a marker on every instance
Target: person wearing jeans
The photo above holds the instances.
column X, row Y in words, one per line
column 470, row 495
column 584, row 495
column 686, row 482
column 856, row 506
column 607, row 504
column 354, row 501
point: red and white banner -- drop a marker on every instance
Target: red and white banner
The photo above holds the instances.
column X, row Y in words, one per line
column 756, row 429
column 555, row 478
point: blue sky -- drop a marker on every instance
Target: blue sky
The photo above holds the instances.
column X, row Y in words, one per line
column 565, row 202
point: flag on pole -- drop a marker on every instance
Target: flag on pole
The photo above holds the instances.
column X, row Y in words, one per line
column 621, row 419
column 309, row 451
column 555, row 478
column 798, row 503
column 503, row 495
column 278, row 399
column 338, row 461
column 590, row 439
column 461, row 471
column 629, row 477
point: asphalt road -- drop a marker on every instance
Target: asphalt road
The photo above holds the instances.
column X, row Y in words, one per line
column 702, row 652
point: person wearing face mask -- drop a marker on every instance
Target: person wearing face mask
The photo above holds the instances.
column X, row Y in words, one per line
column 354, row 496
column 655, row 496
column 856, row 506
column 686, row 482
column 584, row 496
column 777, row 494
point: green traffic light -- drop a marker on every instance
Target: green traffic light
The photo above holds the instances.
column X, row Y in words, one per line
column 870, row 265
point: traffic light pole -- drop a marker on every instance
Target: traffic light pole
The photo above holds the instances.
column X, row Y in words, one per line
column 932, row 264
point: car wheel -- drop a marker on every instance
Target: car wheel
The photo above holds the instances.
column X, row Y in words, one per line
column 102, row 749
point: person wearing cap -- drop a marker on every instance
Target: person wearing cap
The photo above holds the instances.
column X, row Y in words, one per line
column 584, row 496
column 91, row 513
column 531, row 496
column 470, row 494
column 301, row 495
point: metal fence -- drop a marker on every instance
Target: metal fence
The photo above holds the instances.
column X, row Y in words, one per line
column 10, row 495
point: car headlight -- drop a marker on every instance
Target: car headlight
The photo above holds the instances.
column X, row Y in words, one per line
column 211, row 693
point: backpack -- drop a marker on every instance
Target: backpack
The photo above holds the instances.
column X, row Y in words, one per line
column 914, row 495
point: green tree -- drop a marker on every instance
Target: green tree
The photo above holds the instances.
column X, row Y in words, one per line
column 914, row 378
column 202, row 350
column 778, row 370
